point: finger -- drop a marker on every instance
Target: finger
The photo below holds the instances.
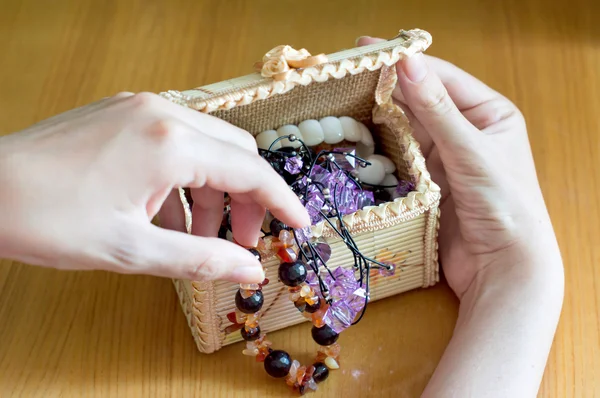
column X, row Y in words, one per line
column 171, row 214
column 246, row 220
column 201, row 158
column 207, row 124
column 429, row 101
column 207, row 211
column 171, row 254
column 465, row 90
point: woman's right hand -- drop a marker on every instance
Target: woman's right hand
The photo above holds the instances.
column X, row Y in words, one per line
column 79, row 191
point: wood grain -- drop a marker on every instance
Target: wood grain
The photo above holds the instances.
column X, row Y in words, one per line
column 101, row 334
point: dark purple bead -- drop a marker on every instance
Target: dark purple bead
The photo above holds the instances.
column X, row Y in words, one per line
column 252, row 335
column 292, row 274
column 256, row 254
column 278, row 363
column 324, row 336
column 277, row 226
column 321, row 372
column 314, row 307
column 251, row 304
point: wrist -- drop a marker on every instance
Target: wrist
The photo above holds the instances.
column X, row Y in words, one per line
column 10, row 239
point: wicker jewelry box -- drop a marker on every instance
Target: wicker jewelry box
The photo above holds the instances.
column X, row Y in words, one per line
column 357, row 83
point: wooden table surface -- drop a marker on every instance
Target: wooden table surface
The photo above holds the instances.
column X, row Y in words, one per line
column 101, row 334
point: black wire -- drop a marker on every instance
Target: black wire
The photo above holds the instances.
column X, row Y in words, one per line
column 313, row 257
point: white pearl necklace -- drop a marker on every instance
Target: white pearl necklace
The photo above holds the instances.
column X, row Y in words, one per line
column 333, row 130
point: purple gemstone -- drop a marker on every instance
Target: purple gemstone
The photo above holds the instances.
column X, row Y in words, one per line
column 357, row 300
column 364, row 199
column 324, row 250
column 346, row 200
column 340, row 179
column 320, row 175
column 339, row 316
column 346, row 162
column 303, row 234
column 293, row 165
column 344, row 284
column 313, row 206
column 404, row 188
column 302, row 183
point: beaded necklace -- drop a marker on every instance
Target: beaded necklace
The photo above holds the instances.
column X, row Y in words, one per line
column 326, row 182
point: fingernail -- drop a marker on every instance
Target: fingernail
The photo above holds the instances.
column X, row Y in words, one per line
column 359, row 39
column 248, row 274
column 415, row 68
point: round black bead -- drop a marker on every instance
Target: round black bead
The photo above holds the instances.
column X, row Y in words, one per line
column 313, row 308
column 278, row 363
column 324, row 336
column 252, row 335
column 292, row 274
column 251, row 304
column 256, row 254
column 321, row 372
column 277, row 226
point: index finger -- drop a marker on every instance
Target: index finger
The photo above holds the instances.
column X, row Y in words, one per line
column 208, row 161
column 465, row 89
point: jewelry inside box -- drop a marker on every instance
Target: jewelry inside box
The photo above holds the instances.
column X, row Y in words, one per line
column 331, row 182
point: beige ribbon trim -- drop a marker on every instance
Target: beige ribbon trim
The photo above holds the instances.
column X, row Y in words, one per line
column 281, row 61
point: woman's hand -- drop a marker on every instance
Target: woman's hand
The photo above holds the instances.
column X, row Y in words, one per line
column 497, row 245
column 79, row 191
column 476, row 148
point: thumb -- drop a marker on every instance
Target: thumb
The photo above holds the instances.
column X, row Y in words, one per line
column 429, row 101
column 173, row 254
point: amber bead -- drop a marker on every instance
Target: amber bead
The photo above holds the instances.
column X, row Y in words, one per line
column 287, row 254
column 312, row 308
column 277, row 226
column 278, row 363
column 251, row 334
column 251, row 304
column 252, row 320
column 300, row 304
column 324, row 335
column 321, row 372
column 286, row 239
column 292, row 274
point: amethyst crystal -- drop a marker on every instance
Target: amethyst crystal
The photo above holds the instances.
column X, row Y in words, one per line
column 346, row 200
column 339, row 316
column 404, row 187
column 320, row 175
column 324, row 250
column 340, row 179
column 348, row 298
column 314, row 204
column 303, row 234
column 293, row 165
column 346, row 162
column 364, row 199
